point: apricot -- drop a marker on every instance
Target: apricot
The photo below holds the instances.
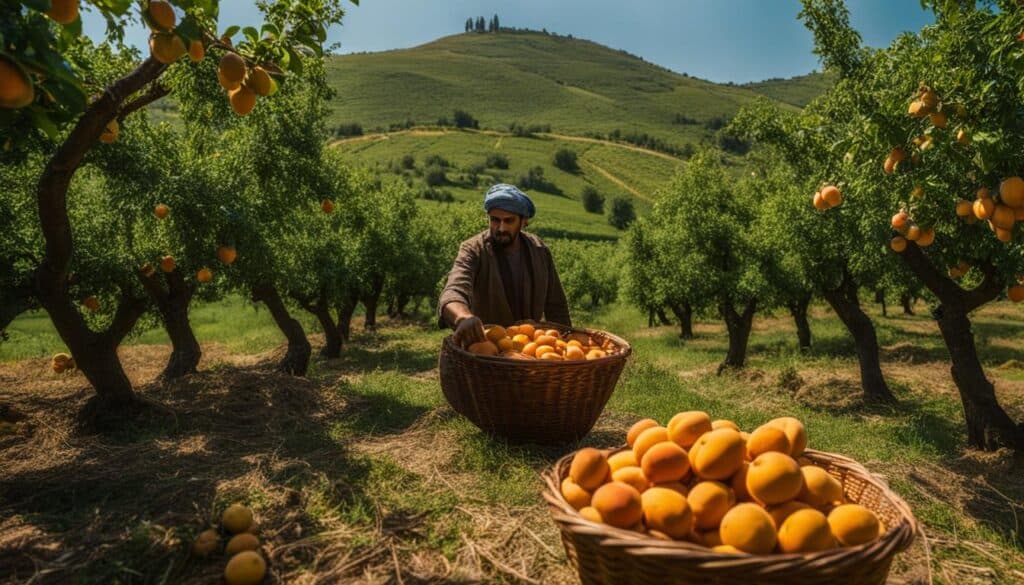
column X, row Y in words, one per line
column 1003, row 217
column 622, row 459
column 619, row 504
column 505, row 344
column 738, row 483
column 794, row 430
column 526, row 329
column 226, row 254
column 665, row 461
column 677, row 486
column 724, row 424
column 196, row 51
column 648, row 439
column 242, row 99
column 110, row 132
column 204, row 275
column 205, row 543
column 853, row 524
column 236, row 518
column 820, row 487
column 530, row 349
column 546, row 340
column 819, row 202
column 1011, row 191
column 245, row 568
column 259, row 81
column 576, row 496
column 633, row 476
column 167, row 264
column 782, row 511
column 327, row 206
column 591, row 513
column 542, row 350
column 227, row 83
column 16, row 89
column 767, row 438
column 805, row 531
column 831, row 195
column 162, row 15
column 574, row 353
column 984, row 208
column 749, row 528
column 774, row 478
column 639, row 427
column 710, row 500
column 240, row 542
column 494, row 333
column 63, row 11
column 232, row 67
column 589, row 468
column 166, row 47
column 520, row 341
column 711, row 538
column 686, row 427
column 718, row 454
column 727, row 549
column 667, row 511
column 483, row 348
column 938, row 119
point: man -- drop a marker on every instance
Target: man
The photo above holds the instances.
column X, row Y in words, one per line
column 503, row 274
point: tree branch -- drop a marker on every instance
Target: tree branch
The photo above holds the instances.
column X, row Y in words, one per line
column 128, row 312
column 941, row 286
column 155, row 92
column 52, row 190
column 987, row 291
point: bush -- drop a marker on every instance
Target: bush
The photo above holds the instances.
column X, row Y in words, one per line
column 534, row 179
column 408, row 162
column 441, row 195
column 565, row 159
column 622, row 213
column 435, row 176
column 521, row 131
column 436, row 160
column 496, row 160
column 729, row 142
column 464, row 119
column 593, row 201
column 684, row 120
column 351, row 129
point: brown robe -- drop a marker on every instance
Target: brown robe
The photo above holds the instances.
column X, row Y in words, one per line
column 475, row 280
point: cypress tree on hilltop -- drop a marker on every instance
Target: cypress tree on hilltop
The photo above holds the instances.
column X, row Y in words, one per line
column 469, row 24
column 497, row 24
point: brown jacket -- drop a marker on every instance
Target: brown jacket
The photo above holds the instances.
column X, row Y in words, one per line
column 475, row 279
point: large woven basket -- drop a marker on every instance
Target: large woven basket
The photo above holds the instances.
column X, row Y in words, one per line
column 531, row 401
column 607, row 555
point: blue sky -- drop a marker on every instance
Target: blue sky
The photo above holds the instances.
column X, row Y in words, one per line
column 720, row 40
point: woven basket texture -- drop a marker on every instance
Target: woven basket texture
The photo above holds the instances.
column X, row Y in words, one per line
column 607, row 555
column 531, row 401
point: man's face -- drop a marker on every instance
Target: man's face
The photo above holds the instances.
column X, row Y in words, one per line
column 505, row 226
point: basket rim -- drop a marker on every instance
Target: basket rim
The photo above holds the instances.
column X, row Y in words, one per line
column 627, row 349
column 895, row 539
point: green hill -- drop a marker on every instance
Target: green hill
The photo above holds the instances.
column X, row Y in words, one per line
column 797, row 91
column 575, row 86
column 614, row 170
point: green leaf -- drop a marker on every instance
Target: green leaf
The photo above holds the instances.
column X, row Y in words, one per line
column 231, row 31
column 252, row 34
column 43, row 122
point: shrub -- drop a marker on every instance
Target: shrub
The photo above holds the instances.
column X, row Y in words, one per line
column 534, row 179
column 350, row 129
column 622, row 213
column 565, row 159
column 464, row 119
column 435, row 176
column 593, row 202
column 436, row 160
column 408, row 162
column 496, row 160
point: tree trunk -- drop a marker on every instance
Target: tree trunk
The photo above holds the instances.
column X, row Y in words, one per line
column 345, row 312
column 13, row 302
column 738, row 326
column 296, row 359
column 662, row 317
column 173, row 306
column 845, row 303
column 684, row 314
column 880, row 298
column 332, row 334
column 370, row 304
column 989, row 427
column 908, row 304
column 401, row 302
column 798, row 309
column 95, row 353
column 650, row 317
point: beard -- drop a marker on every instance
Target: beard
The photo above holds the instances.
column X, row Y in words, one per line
column 502, row 238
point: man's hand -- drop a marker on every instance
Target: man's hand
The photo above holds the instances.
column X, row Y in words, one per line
column 468, row 330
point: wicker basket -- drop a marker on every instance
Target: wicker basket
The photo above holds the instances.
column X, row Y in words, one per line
column 603, row 554
column 531, row 401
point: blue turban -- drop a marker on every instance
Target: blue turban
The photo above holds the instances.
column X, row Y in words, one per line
column 510, row 199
